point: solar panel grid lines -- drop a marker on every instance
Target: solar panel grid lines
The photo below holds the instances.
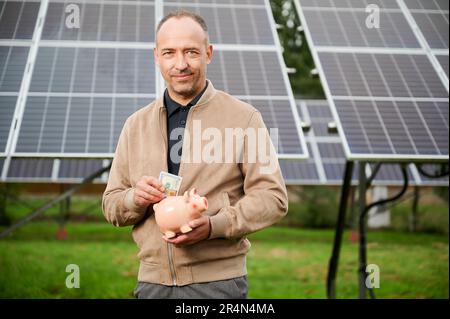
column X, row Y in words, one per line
column 36, row 25
column 429, row 32
column 81, row 88
column 443, row 61
column 115, row 21
column 87, row 63
column 331, row 156
column 250, row 63
column 46, row 170
column 314, row 150
column 17, row 19
column 304, row 150
column 366, row 85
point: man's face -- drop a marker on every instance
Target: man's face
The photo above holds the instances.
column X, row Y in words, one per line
column 182, row 53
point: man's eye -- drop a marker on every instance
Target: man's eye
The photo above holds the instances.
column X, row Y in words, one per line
column 192, row 53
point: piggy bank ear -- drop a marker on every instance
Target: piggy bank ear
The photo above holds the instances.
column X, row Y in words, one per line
column 186, row 197
column 193, row 192
column 155, row 206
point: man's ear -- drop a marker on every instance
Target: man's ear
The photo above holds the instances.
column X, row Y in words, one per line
column 209, row 53
column 156, row 56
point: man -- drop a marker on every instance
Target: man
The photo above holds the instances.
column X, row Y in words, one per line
column 210, row 260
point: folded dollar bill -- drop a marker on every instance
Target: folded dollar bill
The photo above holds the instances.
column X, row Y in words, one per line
column 170, row 182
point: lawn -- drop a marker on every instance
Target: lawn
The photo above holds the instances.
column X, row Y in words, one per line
column 283, row 263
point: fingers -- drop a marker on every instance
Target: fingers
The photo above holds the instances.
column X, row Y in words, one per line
column 199, row 222
column 148, row 190
column 146, row 196
column 199, row 233
column 152, row 181
column 182, row 239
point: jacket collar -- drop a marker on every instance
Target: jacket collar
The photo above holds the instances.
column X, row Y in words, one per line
column 206, row 97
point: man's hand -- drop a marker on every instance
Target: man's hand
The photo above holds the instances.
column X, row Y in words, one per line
column 200, row 231
column 148, row 191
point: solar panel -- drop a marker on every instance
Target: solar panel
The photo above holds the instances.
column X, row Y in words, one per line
column 236, row 3
column 434, row 27
column 74, row 125
column 326, row 164
column 93, row 70
column 50, row 171
column 347, row 28
column 443, row 61
column 12, row 66
column 385, row 91
column 427, row 5
column 77, row 169
column 83, row 82
column 17, row 19
column 30, row 168
column 121, row 21
column 342, row 4
column 381, row 75
column 253, row 74
column 232, row 24
column 7, row 107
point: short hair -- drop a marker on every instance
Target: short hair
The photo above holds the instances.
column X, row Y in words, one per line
column 181, row 14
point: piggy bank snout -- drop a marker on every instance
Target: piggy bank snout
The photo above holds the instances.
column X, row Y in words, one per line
column 200, row 202
column 205, row 202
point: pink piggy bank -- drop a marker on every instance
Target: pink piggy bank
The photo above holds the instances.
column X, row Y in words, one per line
column 174, row 213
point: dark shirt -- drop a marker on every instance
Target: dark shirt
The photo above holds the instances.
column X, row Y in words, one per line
column 176, row 120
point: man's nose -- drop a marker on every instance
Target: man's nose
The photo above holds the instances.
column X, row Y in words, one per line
column 181, row 63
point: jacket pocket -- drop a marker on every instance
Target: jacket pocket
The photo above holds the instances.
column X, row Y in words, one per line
column 149, row 240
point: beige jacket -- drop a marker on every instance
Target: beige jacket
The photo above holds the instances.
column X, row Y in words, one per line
column 241, row 199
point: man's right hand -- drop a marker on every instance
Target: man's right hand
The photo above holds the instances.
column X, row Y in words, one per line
column 148, row 190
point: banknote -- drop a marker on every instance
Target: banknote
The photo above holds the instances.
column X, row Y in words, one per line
column 170, row 182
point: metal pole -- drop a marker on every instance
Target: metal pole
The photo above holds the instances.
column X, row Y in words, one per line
column 415, row 204
column 340, row 224
column 362, row 234
column 4, row 220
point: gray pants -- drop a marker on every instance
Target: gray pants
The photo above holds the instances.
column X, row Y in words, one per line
column 235, row 288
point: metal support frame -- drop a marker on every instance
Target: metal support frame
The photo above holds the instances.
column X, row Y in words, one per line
column 54, row 201
column 415, row 205
column 334, row 261
column 362, row 230
column 364, row 184
column 64, row 208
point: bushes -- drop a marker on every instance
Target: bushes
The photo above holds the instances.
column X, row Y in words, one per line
column 315, row 207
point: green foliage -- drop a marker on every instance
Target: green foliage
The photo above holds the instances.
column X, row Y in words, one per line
column 442, row 192
column 317, row 207
column 296, row 51
column 431, row 218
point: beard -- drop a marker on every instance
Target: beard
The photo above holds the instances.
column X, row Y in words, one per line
column 186, row 88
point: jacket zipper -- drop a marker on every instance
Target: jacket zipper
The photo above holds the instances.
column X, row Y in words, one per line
column 189, row 128
column 169, row 246
column 171, row 264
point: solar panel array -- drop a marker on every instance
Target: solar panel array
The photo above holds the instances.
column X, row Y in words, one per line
column 67, row 93
column 327, row 161
column 325, row 166
column 388, row 85
column 46, row 170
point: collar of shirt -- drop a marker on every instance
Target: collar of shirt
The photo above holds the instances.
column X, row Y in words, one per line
column 173, row 106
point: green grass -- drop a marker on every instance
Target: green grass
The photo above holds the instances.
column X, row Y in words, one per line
column 282, row 263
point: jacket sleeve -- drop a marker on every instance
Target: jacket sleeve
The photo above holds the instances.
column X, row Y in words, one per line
column 265, row 197
column 118, row 204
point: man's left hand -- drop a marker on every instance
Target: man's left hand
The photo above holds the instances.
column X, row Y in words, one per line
column 200, row 231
